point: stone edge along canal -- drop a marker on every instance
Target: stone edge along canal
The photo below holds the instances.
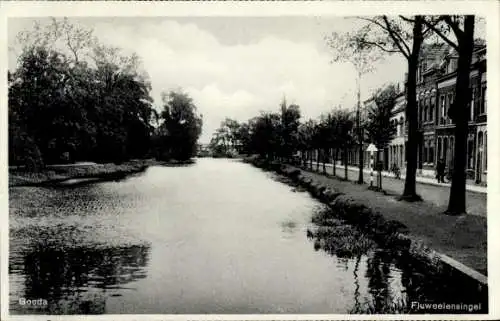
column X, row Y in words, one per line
column 356, row 213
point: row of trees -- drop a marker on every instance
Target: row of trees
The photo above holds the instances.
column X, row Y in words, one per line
column 281, row 135
column 267, row 134
column 72, row 98
column 405, row 36
column 270, row 134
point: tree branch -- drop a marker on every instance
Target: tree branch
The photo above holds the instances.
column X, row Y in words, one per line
column 454, row 26
column 440, row 34
column 427, row 30
column 380, row 46
column 374, row 22
column 397, row 42
column 68, row 41
column 407, row 19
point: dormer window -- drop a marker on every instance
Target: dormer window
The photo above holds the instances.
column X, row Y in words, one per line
column 452, row 65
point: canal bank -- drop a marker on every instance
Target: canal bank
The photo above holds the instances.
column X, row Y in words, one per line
column 457, row 244
column 218, row 236
column 80, row 173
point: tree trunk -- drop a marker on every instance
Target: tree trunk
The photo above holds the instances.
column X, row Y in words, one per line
column 311, row 159
column 360, row 136
column 335, row 158
column 317, row 160
column 410, row 191
column 377, row 160
column 458, row 113
column 345, row 165
column 325, row 152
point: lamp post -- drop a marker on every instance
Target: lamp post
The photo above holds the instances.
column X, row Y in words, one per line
column 371, row 148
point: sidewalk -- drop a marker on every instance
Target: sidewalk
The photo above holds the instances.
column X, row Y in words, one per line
column 431, row 192
column 419, row 179
column 463, row 238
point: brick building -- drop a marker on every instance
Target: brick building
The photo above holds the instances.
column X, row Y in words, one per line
column 428, row 72
column 397, row 147
column 477, row 131
column 436, row 79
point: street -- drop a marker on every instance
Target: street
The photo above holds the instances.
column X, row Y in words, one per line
column 438, row 195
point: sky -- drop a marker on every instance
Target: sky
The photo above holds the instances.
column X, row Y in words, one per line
column 237, row 67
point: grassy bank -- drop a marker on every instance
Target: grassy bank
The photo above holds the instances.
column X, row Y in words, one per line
column 420, row 228
column 90, row 172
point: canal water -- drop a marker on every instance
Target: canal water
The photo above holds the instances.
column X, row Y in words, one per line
column 218, row 236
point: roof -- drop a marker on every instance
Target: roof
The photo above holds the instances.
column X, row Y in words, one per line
column 434, row 53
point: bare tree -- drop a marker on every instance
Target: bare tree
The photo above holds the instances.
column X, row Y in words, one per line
column 458, row 32
column 402, row 35
column 59, row 34
column 343, row 50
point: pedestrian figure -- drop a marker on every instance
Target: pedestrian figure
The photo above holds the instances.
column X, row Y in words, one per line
column 396, row 171
column 440, row 171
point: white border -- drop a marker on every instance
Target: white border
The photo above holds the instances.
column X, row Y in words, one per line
column 488, row 9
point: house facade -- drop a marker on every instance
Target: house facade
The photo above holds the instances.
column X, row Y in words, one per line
column 477, row 130
column 428, row 72
column 436, row 80
column 397, row 146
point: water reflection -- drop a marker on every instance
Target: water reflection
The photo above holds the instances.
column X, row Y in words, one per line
column 378, row 273
column 76, row 280
column 167, row 241
column 395, row 280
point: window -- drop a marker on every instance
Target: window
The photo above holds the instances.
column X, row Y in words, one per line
column 471, row 105
column 452, row 65
column 443, row 107
column 421, row 112
column 485, row 151
column 470, row 154
column 482, row 109
column 449, row 106
column 431, row 112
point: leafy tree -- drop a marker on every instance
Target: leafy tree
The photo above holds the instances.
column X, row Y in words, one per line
column 290, row 120
column 77, row 99
column 344, row 135
column 265, row 136
column 182, row 125
column 244, row 136
column 325, row 137
column 38, row 97
column 316, row 143
column 306, row 137
column 379, row 128
column 227, row 139
column 332, row 139
column 462, row 29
